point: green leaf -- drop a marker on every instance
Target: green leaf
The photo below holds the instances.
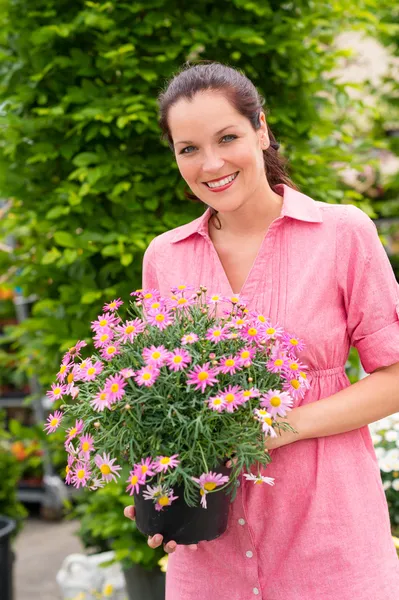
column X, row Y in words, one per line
column 91, row 297
column 63, row 238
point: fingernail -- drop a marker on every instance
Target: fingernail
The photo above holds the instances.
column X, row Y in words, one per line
column 157, row 539
column 172, row 545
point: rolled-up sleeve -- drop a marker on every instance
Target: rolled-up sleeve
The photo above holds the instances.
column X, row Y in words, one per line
column 149, row 272
column 369, row 289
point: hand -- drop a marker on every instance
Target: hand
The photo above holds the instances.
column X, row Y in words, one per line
column 156, row 540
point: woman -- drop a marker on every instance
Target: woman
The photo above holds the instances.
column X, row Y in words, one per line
column 318, row 270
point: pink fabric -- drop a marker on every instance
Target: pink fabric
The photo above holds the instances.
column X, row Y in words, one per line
column 322, row 532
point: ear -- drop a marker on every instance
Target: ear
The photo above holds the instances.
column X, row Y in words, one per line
column 262, row 132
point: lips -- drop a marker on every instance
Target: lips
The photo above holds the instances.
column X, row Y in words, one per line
column 227, row 183
column 220, row 178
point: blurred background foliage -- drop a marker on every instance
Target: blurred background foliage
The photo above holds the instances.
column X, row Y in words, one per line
column 86, row 179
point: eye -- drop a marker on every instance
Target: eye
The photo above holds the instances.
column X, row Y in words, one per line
column 186, row 150
column 229, row 135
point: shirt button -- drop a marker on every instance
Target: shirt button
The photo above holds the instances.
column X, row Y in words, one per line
column 238, row 483
column 249, row 554
column 255, row 591
column 241, row 521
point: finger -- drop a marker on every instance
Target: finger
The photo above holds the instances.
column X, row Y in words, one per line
column 193, row 546
column 129, row 512
column 228, row 464
column 155, row 541
column 170, row 547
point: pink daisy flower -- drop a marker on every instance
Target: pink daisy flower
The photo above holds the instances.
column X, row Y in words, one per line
column 108, row 352
column 86, row 445
column 145, row 468
column 259, row 479
column 271, row 333
column 303, row 378
column 239, row 322
column 72, row 432
column 100, row 401
column 189, row 338
column 252, row 332
column 114, row 387
column 245, row 356
column 217, row 334
column 96, row 484
column 57, row 391
column 106, row 465
column 134, row 483
column 214, row 299
column 216, row 403
column 202, row 376
column 182, row 302
column 181, row 289
column 157, row 304
column 113, row 306
column 160, row 318
column 251, row 393
column 233, row 398
column 126, row 373
column 229, row 365
column 161, row 495
column 53, row 422
column 91, row 371
column 129, row 330
column 278, row 360
column 81, row 474
column 146, row 376
column 103, row 339
column 165, row 500
column 74, row 351
column 277, row 403
column 234, row 299
column 69, row 469
column 104, row 323
column 63, row 372
column 258, row 318
column 153, row 491
column 292, row 368
column 72, row 390
column 261, row 414
column 155, row 356
column 292, row 344
column 208, row 482
column 296, row 387
column 162, row 463
column 150, row 294
column 178, row 359
column 79, row 369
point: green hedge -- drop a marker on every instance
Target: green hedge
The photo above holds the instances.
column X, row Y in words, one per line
column 90, row 182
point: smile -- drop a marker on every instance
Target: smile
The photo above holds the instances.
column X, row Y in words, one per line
column 221, row 183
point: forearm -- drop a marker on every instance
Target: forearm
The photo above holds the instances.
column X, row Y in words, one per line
column 360, row 404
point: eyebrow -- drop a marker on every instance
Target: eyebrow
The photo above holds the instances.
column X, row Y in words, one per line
column 217, row 133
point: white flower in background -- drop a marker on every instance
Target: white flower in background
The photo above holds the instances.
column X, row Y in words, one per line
column 395, row 485
column 396, row 426
column 391, row 435
column 386, row 485
column 376, row 438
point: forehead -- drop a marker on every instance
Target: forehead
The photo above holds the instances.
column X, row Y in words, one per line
column 204, row 114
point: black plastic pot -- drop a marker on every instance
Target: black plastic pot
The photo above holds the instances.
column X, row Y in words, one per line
column 182, row 523
column 7, row 526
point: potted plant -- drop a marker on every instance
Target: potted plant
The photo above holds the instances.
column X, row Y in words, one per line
column 175, row 389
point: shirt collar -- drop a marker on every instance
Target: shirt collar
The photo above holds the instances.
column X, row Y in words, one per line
column 295, row 205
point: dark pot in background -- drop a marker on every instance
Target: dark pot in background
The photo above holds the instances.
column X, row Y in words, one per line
column 181, row 523
column 7, row 527
column 142, row 584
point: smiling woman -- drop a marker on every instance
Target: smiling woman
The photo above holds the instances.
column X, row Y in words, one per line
column 314, row 268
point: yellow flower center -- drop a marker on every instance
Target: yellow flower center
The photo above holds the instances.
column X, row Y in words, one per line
column 82, row 365
column 203, row 376
column 294, row 366
column 111, row 350
column 112, row 304
column 270, row 331
column 268, row 420
column 104, row 337
column 129, row 329
column 155, row 305
column 134, row 479
column 80, row 473
column 67, row 469
column 146, row 376
column 114, row 388
column 144, row 469
column 85, row 446
column 295, row 384
column 278, row 362
column 230, row 362
column 160, row 318
column 189, row 338
column 105, row 469
column 252, row 331
column 215, row 298
column 240, row 322
column 148, row 296
column 234, row 299
column 262, row 412
column 217, row 333
column 261, row 318
column 91, row 371
column 258, row 481
column 229, row 397
column 108, row 590
column 164, row 501
column 395, row 474
column 57, row 391
column 209, row 486
column 217, row 401
column 275, row 401
column 54, row 422
column 165, row 460
column 156, row 355
column 245, row 354
column 294, row 342
column 247, row 393
column 177, row 359
column 73, row 432
column 182, row 301
column 63, row 369
column 302, row 374
column 181, row 287
column 103, row 396
column 103, row 322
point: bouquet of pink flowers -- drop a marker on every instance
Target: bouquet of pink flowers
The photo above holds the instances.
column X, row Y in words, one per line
column 174, row 391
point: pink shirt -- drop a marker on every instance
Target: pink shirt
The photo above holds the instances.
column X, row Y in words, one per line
column 323, row 531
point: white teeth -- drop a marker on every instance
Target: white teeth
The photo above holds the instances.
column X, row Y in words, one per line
column 222, row 182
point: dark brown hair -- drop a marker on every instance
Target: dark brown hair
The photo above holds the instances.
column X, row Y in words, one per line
column 243, row 96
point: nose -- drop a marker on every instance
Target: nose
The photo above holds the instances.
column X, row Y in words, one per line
column 213, row 162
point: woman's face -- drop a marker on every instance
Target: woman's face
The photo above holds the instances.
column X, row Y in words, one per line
column 218, row 153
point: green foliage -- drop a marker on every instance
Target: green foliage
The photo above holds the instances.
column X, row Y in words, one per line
column 90, row 182
column 103, row 526
column 10, row 470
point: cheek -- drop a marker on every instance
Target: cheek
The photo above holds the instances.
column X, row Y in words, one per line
column 188, row 169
